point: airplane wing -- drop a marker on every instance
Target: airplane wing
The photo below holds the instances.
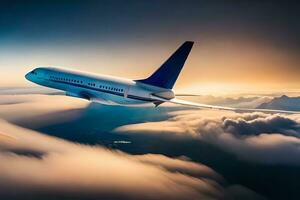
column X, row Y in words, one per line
column 198, row 105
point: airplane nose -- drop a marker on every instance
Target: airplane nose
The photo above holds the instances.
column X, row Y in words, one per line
column 27, row 76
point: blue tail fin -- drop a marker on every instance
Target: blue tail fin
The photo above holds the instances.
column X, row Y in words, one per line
column 167, row 74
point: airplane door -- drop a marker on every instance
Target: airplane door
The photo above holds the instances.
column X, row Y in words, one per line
column 126, row 91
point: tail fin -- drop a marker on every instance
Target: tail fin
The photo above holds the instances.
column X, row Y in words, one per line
column 167, row 74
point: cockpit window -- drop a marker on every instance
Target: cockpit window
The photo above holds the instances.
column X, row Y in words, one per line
column 33, row 72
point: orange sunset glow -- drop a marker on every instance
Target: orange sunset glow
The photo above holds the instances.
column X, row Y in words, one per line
column 214, row 67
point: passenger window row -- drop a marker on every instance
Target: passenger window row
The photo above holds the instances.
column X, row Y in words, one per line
column 90, row 84
column 66, row 79
column 111, row 88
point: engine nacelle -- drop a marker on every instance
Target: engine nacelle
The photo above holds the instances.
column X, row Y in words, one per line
column 165, row 94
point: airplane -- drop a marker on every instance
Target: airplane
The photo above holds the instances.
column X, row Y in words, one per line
column 109, row 90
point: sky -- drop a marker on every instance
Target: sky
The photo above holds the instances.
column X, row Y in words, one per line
column 240, row 46
column 58, row 147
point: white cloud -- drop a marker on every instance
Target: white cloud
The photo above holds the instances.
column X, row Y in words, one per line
column 255, row 137
column 37, row 109
column 39, row 165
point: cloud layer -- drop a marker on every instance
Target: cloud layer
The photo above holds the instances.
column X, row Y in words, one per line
column 255, row 137
column 36, row 166
column 37, row 110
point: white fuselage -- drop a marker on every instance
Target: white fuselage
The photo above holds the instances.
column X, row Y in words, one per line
column 99, row 88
